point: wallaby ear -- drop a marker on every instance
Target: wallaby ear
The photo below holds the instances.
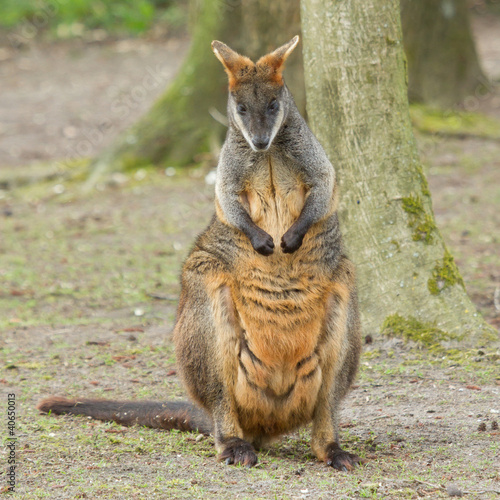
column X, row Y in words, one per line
column 236, row 65
column 274, row 61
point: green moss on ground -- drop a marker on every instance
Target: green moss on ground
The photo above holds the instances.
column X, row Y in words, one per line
column 447, row 122
column 444, row 275
column 420, row 221
column 412, row 329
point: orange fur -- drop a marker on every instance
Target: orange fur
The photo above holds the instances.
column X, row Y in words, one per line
column 272, row 68
column 240, row 69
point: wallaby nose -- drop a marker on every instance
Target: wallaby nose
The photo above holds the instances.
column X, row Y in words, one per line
column 260, row 142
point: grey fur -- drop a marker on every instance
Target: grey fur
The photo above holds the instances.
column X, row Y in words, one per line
column 293, row 143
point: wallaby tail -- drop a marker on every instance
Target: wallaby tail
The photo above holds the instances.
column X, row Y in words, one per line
column 180, row 415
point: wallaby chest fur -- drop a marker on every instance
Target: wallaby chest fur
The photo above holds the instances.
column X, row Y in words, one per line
column 274, row 196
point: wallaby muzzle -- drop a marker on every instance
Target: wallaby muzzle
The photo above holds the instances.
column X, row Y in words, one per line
column 261, row 142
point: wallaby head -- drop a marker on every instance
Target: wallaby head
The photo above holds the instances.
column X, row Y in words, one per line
column 258, row 98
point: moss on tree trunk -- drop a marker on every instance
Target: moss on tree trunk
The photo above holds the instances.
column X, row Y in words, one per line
column 180, row 125
column 358, row 108
column 443, row 66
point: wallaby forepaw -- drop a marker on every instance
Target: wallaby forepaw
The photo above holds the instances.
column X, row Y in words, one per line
column 339, row 459
column 263, row 244
column 238, row 451
column 291, row 242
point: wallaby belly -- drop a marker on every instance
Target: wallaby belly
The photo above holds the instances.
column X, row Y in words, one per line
column 281, row 304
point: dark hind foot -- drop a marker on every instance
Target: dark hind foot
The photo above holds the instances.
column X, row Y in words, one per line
column 238, row 451
column 339, row 459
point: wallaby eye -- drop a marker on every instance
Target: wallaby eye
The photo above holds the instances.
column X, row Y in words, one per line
column 241, row 108
column 273, row 106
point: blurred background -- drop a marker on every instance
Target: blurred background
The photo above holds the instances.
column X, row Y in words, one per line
column 65, row 64
column 77, row 73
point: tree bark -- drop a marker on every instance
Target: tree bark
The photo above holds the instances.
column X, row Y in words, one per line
column 358, row 108
column 180, row 125
column 443, row 66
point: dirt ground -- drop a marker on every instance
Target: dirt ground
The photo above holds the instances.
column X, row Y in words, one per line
column 88, row 290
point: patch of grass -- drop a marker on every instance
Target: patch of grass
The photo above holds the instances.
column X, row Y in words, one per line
column 72, row 18
column 63, row 261
column 447, row 122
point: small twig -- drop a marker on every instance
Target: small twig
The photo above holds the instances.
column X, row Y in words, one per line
column 172, row 298
column 439, row 486
column 218, row 116
column 496, row 298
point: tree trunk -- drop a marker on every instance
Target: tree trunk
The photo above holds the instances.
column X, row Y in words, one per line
column 180, row 125
column 358, row 108
column 443, row 65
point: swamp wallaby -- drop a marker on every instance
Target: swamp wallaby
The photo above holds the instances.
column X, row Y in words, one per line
column 267, row 334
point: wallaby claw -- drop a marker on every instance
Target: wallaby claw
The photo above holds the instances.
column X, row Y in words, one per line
column 263, row 244
column 239, row 452
column 340, row 459
column 291, row 242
